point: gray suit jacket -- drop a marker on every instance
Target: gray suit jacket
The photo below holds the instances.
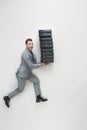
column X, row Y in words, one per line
column 27, row 63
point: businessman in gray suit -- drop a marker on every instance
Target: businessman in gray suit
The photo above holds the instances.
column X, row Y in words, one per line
column 24, row 72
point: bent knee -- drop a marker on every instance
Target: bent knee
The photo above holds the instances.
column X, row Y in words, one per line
column 21, row 90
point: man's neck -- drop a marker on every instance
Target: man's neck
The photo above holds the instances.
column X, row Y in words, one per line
column 28, row 49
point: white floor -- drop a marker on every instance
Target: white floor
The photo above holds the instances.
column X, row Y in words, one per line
column 63, row 82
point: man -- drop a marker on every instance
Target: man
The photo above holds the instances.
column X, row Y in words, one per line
column 24, row 72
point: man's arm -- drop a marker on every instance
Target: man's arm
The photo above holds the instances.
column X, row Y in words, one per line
column 29, row 63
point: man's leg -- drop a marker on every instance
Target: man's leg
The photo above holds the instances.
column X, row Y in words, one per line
column 35, row 82
column 37, row 89
column 21, row 85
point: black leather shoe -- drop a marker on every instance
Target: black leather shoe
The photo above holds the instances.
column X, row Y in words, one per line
column 7, row 100
column 37, row 100
column 41, row 99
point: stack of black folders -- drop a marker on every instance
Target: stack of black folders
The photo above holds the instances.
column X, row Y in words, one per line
column 46, row 46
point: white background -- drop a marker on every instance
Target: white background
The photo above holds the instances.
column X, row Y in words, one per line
column 63, row 82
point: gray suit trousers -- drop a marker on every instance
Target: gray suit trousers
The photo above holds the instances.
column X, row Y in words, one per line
column 21, row 84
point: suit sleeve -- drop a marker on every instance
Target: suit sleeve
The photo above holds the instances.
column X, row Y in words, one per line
column 29, row 63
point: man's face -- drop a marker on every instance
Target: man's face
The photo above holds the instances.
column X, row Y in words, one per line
column 29, row 45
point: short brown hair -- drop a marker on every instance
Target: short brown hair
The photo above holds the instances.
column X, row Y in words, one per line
column 28, row 39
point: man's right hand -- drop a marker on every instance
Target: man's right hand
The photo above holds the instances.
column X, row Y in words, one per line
column 43, row 64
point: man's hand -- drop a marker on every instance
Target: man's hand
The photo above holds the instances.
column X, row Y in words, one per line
column 43, row 64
